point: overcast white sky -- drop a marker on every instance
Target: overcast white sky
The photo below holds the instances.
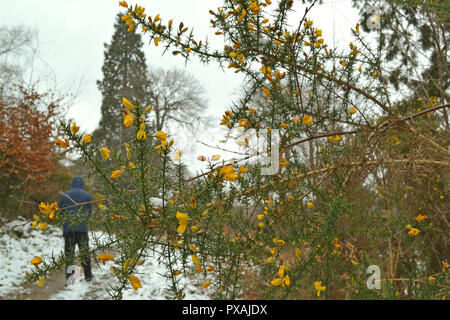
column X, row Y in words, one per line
column 72, row 34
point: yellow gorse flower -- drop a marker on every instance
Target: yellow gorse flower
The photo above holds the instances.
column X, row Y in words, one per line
column 228, row 173
column 279, row 241
column 141, row 135
column 128, row 148
column 307, row 119
column 129, row 22
column 127, row 104
column 182, row 222
column 276, row 282
column 283, row 162
column 161, row 136
column 254, row 8
column 86, row 138
column 105, row 153
column 318, row 286
column 413, row 232
column 242, row 169
column 128, row 120
column 41, row 281
column 281, row 271
column 62, row 143
column 115, row 174
column 36, row 261
column 195, row 259
column 126, row 265
column 308, row 23
column 242, row 16
column 157, row 40
column 103, row 257
column 148, row 109
column 74, row 128
column 177, row 155
column 44, row 208
column 192, row 202
column 421, row 217
column 176, row 272
column 286, row 281
column 135, row 282
column 282, row 279
column 266, row 91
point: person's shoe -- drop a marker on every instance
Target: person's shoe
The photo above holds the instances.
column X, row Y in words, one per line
column 88, row 278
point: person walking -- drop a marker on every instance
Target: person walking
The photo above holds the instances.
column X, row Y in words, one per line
column 75, row 232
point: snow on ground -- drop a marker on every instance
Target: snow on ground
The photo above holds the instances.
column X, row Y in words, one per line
column 19, row 243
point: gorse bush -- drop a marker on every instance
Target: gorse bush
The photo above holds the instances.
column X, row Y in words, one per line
column 361, row 182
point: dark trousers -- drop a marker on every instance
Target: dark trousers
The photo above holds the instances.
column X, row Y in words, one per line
column 71, row 239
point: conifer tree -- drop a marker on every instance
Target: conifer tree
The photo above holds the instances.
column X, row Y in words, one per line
column 124, row 75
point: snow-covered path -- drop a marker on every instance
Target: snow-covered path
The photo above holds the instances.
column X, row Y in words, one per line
column 19, row 243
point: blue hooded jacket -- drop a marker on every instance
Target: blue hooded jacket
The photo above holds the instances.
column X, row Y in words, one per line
column 75, row 195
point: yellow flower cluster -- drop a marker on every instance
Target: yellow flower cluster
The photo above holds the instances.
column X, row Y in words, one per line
column 307, row 119
column 253, row 7
column 129, row 22
column 227, row 172
column 226, row 119
column 308, row 23
column 421, row 217
column 413, row 232
column 335, row 138
column 162, row 137
column 279, row 241
column 282, row 279
column 47, row 210
column 244, row 123
column 283, row 162
column 138, row 12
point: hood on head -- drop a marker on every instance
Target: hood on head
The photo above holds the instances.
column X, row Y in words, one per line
column 77, row 183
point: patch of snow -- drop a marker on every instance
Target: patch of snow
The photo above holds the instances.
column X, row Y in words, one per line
column 19, row 243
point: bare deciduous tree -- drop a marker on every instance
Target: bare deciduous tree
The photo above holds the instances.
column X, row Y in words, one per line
column 177, row 98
